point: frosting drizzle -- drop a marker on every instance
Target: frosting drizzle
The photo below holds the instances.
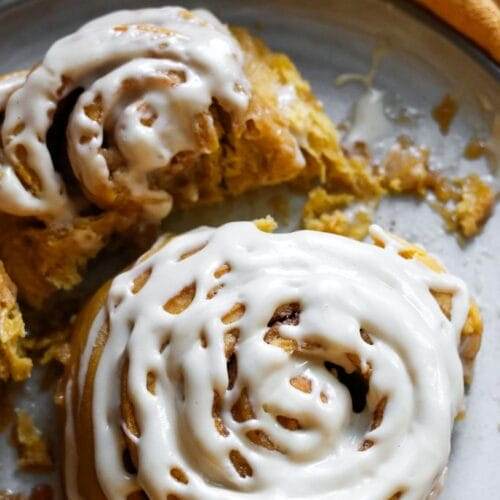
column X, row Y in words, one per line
column 240, row 350
column 149, row 78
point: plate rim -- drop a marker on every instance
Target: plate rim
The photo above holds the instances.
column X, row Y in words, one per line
column 412, row 8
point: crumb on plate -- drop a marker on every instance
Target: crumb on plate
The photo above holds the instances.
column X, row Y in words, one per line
column 406, row 168
column 444, row 113
column 266, row 224
column 52, row 347
column 32, row 448
column 474, row 205
column 325, row 212
column 465, row 203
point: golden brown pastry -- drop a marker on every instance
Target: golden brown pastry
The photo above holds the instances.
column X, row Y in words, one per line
column 465, row 203
column 43, row 260
column 13, row 364
column 232, row 363
column 163, row 108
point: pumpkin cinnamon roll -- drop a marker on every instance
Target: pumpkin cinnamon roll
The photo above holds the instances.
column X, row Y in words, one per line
column 161, row 108
column 231, row 363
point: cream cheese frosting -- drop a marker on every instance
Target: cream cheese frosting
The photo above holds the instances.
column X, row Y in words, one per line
column 9, row 83
column 358, row 307
column 148, row 79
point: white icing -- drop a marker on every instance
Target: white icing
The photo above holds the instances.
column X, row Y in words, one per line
column 342, row 285
column 287, row 98
column 103, row 57
column 369, row 121
column 438, row 485
column 10, row 83
column 9, row 183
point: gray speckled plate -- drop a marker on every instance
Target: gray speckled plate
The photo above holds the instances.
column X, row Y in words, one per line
column 325, row 38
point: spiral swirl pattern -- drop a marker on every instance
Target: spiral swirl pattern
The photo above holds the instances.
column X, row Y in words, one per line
column 230, row 363
column 149, row 78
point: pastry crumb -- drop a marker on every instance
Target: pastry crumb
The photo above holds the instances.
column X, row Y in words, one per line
column 474, row 205
column 465, row 204
column 475, row 148
column 266, row 224
column 325, row 212
column 32, row 448
column 48, row 348
column 445, row 112
column 406, row 168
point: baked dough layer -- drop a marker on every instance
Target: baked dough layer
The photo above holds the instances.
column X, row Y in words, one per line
column 13, row 364
column 104, row 321
column 284, row 132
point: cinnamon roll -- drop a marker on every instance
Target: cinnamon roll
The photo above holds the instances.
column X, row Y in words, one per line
column 231, row 363
column 162, row 108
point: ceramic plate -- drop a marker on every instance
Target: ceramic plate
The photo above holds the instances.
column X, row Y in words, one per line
column 422, row 60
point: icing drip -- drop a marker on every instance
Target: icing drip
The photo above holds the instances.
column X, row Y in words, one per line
column 369, row 122
column 9, row 83
column 287, row 98
column 149, row 78
column 247, row 339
